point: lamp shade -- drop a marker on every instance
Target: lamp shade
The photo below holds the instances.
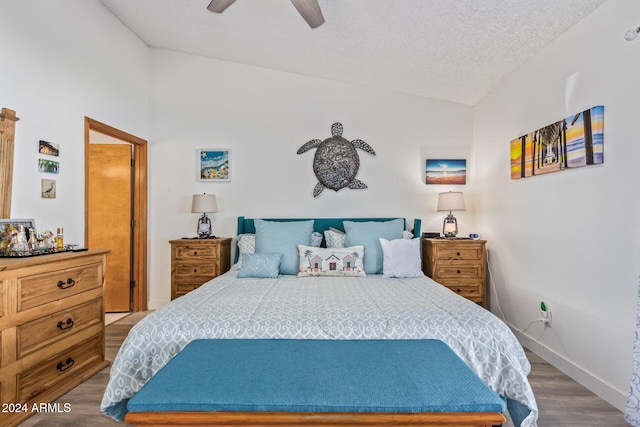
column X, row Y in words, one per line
column 451, row 201
column 203, row 203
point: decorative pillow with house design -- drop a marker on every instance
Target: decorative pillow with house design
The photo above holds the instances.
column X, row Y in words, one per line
column 316, row 261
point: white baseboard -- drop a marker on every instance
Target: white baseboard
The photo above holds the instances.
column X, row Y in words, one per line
column 605, row 391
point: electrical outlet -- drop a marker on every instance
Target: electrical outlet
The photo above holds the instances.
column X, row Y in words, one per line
column 545, row 314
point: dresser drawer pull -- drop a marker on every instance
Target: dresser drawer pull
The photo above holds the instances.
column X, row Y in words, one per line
column 195, row 270
column 458, row 290
column 458, row 253
column 195, row 253
column 64, row 285
column 66, row 365
column 65, row 325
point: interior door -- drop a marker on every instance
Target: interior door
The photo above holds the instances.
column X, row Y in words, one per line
column 110, row 218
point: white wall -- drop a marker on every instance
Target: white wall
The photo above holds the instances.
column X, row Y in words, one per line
column 570, row 239
column 62, row 61
column 264, row 116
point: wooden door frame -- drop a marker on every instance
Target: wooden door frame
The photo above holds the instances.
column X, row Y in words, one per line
column 140, row 204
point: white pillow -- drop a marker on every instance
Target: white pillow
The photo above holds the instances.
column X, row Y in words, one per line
column 401, row 258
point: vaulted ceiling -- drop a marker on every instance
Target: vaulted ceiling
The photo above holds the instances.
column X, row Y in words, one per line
column 454, row 50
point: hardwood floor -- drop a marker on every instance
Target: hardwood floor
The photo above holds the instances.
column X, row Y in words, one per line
column 562, row 401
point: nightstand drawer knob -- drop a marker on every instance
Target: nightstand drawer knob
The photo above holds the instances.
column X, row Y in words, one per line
column 458, row 253
column 195, row 253
column 458, row 290
column 195, row 270
column 458, row 271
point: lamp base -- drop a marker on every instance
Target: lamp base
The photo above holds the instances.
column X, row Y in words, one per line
column 450, row 227
column 204, row 227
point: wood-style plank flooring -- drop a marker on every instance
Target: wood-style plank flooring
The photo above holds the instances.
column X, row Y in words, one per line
column 562, row 401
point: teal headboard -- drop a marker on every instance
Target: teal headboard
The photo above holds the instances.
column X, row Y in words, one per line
column 246, row 225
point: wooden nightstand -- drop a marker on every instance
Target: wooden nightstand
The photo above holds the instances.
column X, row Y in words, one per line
column 458, row 264
column 196, row 261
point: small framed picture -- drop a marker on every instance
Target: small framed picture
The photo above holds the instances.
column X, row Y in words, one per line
column 48, row 166
column 446, row 171
column 214, row 164
column 49, row 148
column 48, row 188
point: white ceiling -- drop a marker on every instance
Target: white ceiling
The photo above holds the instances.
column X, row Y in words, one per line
column 455, row 50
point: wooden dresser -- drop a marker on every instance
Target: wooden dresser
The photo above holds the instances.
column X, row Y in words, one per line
column 51, row 328
column 458, row 264
column 196, row 261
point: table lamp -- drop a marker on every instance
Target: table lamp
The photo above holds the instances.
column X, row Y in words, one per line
column 451, row 201
column 203, row 203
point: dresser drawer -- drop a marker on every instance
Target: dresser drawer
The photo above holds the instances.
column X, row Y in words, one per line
column 192, row 251
column 44, row 331
column 458, row 252
column 46, row 287
column 197, row 268
column 67, row 364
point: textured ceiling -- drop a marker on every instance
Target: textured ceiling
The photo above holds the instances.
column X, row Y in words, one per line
column 455, row 50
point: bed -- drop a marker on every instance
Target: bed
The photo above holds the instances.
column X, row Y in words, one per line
column 331, row 307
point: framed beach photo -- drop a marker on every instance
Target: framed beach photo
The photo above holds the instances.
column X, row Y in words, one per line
column 446, row 171
column 214, row 164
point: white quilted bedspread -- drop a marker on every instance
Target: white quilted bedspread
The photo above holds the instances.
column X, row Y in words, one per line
column 322, row 308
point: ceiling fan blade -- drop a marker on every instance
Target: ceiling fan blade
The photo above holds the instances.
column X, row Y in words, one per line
column 310, row 11
column 218, row 6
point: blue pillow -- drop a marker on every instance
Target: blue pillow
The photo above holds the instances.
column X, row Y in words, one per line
column 260, row 265
column 283, row 238
column 368, row 234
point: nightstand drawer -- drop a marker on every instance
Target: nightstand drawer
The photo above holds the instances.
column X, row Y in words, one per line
column 195, row 251
column 458, row 252
column 466, row 291
column 201, row 269
column 457, row 273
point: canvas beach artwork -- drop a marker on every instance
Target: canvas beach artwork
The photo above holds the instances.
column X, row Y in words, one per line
column 576, row 141
column 214, row 165
column 446, row 171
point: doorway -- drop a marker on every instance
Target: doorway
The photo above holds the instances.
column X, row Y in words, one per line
column 126, row 270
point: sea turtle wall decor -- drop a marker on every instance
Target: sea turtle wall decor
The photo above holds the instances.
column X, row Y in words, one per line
column 336, row 161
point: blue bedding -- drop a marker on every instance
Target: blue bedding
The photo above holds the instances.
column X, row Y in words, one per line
column 327, row 308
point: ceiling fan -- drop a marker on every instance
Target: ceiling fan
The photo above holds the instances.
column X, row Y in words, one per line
column 309, row 9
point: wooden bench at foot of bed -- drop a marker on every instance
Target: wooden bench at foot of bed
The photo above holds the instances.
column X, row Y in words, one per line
column 316, row 383
column 290, row 419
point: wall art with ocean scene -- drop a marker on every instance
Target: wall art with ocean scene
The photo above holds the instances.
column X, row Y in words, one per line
column 576, row 141
column 446, row 171
column 214, row 165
